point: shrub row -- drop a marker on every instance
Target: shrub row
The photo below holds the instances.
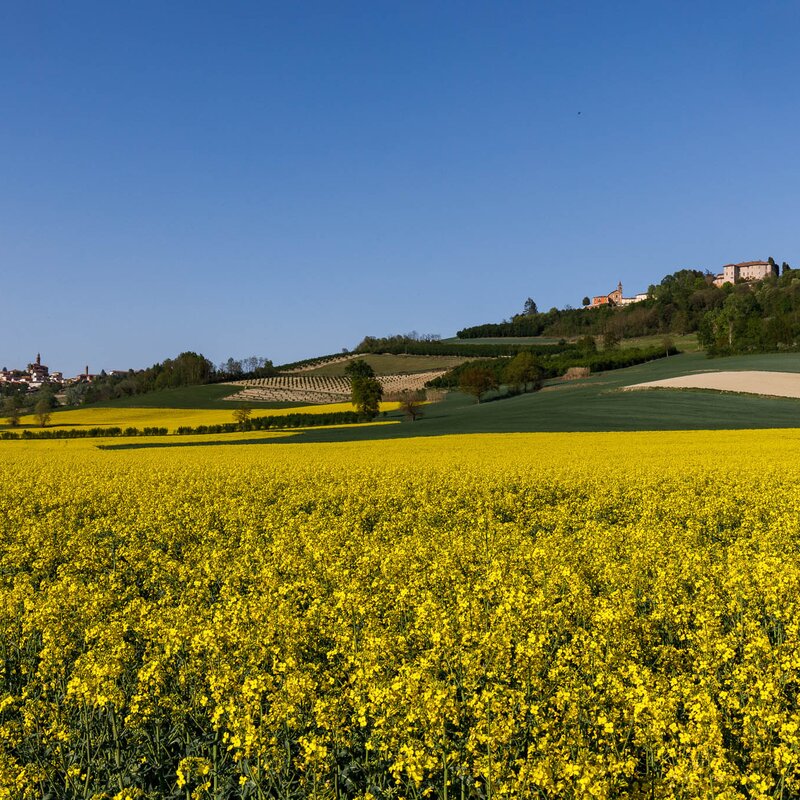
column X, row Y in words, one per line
column 275, row 421
column 254, row 424
column 519, row 326
column 83, row 433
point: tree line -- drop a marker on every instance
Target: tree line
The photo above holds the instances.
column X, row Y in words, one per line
column 243, row 423
column 526, row 371
column 401, row 345
column 186, row 369
column 764, row 317
column 83, row 433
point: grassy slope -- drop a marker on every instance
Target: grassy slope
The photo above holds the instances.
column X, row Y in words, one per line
column 387, row 364
column 686, row 343
column 595, row 404
column 211, row 396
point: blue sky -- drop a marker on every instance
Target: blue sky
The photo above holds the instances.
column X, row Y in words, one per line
column 282, row 179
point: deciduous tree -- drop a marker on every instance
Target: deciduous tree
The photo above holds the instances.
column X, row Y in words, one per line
column 477, row 381
column 358, row 368
column 411, row 403
column 242, row 415
column 523, row 373
column 11, row 406
column 42, row 411
column 366, row 394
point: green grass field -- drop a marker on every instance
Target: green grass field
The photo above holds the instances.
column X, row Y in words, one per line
column 388, row 364
column 598, row 404
column 210, row 396
column 594, row 404
column 687, row 343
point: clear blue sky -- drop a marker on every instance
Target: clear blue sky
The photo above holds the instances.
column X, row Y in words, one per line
column 283, row 178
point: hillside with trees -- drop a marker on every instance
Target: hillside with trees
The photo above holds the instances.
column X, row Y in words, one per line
column 749, row 316
column 745, row 317
column 186, row 369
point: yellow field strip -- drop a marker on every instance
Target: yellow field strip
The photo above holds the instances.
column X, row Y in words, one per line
column 170, row 418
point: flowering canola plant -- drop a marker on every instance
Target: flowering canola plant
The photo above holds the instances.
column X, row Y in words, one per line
column 523, row 615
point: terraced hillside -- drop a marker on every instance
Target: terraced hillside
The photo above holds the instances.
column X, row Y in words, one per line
column 299, row 388
column 384, row 364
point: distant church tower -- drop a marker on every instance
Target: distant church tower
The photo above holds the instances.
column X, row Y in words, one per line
column 615, row 298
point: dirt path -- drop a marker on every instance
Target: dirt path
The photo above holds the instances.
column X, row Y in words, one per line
column 773, row 384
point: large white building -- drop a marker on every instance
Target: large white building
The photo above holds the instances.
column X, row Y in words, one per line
column 745, row 271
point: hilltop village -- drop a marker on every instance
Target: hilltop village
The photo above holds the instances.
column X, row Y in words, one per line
column 37, row 375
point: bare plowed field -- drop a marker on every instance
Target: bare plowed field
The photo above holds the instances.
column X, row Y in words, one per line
column 773, row 384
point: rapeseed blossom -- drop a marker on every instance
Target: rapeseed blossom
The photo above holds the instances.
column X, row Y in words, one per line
column 525, row 615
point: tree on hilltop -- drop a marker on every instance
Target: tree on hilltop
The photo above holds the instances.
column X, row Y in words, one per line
column 358, row 368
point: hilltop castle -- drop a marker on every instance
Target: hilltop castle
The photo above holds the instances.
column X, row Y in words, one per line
column 746, row 271
column 731, row 273
column 615, row 298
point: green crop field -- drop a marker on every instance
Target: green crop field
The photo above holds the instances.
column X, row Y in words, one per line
column 687, row 343
column 596, row 403
column 210, row 396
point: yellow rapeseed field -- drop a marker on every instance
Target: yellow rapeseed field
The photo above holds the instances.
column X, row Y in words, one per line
column 171, row 418
column 519, row 615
